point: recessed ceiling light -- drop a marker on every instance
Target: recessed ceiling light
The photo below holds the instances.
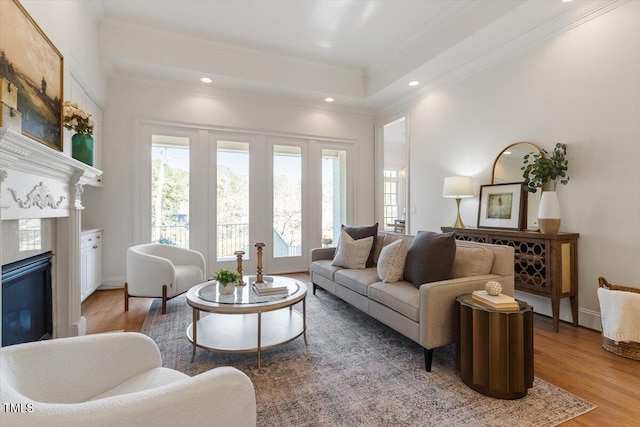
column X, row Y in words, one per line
column 206, row 80
column 414, row 83
column 329, row 99
column 566, row 1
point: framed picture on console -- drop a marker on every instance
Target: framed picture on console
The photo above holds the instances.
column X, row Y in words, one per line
column 502, row 206
column 32, row 63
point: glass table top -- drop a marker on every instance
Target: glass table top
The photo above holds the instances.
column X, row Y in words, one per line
column 245, row 294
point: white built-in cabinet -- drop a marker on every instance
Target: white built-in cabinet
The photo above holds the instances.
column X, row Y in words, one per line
column 90, row 262
column 80, row 96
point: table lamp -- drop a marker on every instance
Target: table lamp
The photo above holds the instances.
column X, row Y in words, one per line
column 458, row 187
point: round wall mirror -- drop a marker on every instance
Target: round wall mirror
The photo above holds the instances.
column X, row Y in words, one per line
column 508, row 168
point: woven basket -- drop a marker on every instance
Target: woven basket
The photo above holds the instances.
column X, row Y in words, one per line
column 629, row 350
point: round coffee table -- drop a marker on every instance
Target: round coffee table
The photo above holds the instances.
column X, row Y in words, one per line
column 244, row 321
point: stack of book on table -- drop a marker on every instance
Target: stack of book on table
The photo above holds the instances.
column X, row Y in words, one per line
column 269, row 288
column 495, row 302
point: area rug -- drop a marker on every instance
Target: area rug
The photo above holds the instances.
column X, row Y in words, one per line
column 357, row 372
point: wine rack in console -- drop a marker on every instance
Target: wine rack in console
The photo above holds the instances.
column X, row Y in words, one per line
column 544, row 264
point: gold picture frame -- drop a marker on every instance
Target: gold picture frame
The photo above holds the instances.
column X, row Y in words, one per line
column 32, row 63
column 502, row 206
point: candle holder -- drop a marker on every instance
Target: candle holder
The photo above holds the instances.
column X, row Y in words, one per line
column 259, row 278
column 239, row 255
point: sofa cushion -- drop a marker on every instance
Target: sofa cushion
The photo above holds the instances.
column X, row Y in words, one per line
column 324, row 268
column 390, row 265
column 401, row 296
column 147, row 380
column 361, row 232
column 430, row 257
column 471, row 262
column 383, row 239
column 358, row 280
column 352, row 253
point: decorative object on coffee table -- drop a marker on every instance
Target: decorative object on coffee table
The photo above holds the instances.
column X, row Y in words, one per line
column 458, row 187
column 494, row 348
column 259, row 278
column 544, row 170
column 227, row 280
column 239, row 255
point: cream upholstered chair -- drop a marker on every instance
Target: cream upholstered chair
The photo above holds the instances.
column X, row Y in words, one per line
column 155, row 270
column 115, row 379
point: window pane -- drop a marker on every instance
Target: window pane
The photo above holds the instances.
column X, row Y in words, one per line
column 232, row 199
column 390, row 197
column 287, row 201
column 334, row 192
column 170, row 190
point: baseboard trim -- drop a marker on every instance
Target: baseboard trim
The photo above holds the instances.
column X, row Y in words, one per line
column 541, row 305
column 113, row 283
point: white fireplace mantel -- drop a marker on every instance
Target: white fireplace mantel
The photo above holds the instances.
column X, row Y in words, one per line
column 37, row 181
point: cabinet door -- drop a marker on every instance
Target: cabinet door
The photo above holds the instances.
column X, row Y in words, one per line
column 96, row 252
column 85, row 261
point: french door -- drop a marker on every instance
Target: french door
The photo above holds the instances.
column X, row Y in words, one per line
column 290, row 193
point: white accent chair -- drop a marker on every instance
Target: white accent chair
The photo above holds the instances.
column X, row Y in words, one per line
column 161, row 271
column 115, row 379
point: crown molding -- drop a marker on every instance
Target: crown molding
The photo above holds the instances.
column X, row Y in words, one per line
column 268, row 100
column 228, row 46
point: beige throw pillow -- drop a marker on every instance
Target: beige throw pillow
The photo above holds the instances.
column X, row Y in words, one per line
column 391, row 261
column 471, row 262
column 352, row 253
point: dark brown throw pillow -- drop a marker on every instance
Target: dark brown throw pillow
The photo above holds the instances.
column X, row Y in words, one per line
column 430, row 258
column 358, row 233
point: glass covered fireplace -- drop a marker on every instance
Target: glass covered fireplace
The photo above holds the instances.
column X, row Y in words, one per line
column 27, row 300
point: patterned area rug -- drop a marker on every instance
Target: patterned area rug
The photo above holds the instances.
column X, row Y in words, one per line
column 357, row 372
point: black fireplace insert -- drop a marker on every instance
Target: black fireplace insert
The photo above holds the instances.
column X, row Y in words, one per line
column 27, row 300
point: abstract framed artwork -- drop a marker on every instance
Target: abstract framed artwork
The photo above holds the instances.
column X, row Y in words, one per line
column 502, row 206
column 32, row 63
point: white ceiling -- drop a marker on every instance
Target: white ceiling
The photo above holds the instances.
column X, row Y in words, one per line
column 360, row 52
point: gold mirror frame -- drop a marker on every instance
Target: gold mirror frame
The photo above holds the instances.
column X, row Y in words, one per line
column 508, row 168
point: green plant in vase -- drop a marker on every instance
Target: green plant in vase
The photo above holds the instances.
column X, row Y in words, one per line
column 544, row 170
column 227, row 279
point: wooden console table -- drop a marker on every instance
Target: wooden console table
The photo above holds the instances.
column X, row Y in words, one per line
column 545, row 264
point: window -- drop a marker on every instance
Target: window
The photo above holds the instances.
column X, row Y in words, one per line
column 170, row 190
column 334, row 193
column 390, row 195
column 232, row 228
column 287, row 201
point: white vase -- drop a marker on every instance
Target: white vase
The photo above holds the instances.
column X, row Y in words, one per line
column 549, row 213
column 226, row 290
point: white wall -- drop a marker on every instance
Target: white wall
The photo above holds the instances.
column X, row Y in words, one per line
column 581, row 88
column 110, row 206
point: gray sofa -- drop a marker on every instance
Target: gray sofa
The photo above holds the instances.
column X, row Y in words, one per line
column 425, row 315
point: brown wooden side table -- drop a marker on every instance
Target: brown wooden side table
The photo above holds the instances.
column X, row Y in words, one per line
column 494, row 348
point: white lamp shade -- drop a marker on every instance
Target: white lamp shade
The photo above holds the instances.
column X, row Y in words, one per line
column 549, row 206
column 458, row 187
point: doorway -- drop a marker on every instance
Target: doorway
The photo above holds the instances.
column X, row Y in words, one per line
column 394, row 177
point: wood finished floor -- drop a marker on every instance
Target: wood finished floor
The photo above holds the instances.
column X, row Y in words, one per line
column 572, row 359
